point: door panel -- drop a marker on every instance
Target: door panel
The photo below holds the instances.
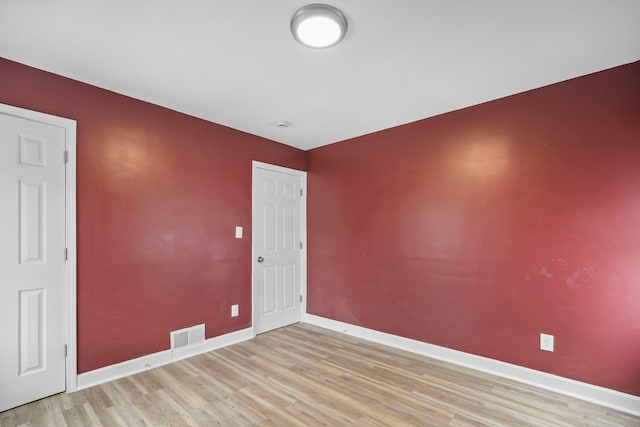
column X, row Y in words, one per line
column 269, row 290
column 32, row 224
column 32, row 261
column 276, row 240
column 289, row 288
column 32, row 330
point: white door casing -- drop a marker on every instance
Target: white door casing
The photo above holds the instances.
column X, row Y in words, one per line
column 37, row 233
column 278, row 246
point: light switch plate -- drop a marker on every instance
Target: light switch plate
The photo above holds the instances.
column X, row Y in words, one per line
column 234, row 310
column 238, row 232
column 546, row 342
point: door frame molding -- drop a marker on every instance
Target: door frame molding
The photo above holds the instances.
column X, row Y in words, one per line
column 303, row 235
column 69, row 127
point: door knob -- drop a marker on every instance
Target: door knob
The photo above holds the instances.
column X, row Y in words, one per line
column 260, row 259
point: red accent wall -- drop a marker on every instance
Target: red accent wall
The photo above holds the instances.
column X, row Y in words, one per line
column 479, row 229
column 159, row 196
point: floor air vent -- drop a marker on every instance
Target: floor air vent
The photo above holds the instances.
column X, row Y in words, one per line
column 187, row 337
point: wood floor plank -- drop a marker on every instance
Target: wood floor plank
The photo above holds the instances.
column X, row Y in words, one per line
column 303, row 375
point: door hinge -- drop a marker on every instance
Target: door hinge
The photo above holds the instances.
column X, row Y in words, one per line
column 66, row 254
column 65, row 350
column 300, row 245
column 301, row 192
column 66, row 156
column 300, row 298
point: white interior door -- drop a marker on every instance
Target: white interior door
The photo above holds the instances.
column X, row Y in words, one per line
column 32, row 260
column 278, row 237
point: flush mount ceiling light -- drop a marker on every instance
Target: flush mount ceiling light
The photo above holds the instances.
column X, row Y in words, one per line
column 318, row 26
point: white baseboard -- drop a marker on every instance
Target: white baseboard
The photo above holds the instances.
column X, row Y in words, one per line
column 134, row 366
column 602, row 396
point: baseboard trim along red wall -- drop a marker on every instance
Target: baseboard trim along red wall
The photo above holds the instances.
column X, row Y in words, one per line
column 588, row 392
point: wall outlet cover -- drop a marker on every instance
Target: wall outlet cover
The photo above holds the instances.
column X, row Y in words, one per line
column 546, row 342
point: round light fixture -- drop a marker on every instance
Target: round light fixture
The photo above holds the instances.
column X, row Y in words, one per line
column 318, row 25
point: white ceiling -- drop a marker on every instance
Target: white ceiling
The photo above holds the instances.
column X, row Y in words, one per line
column 234, row 62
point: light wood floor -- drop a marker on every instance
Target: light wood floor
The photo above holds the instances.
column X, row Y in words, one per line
column 306, row 376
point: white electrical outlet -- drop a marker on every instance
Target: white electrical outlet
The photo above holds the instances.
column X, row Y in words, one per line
column 234, row 310
column 546, row 342
column 238, row 232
